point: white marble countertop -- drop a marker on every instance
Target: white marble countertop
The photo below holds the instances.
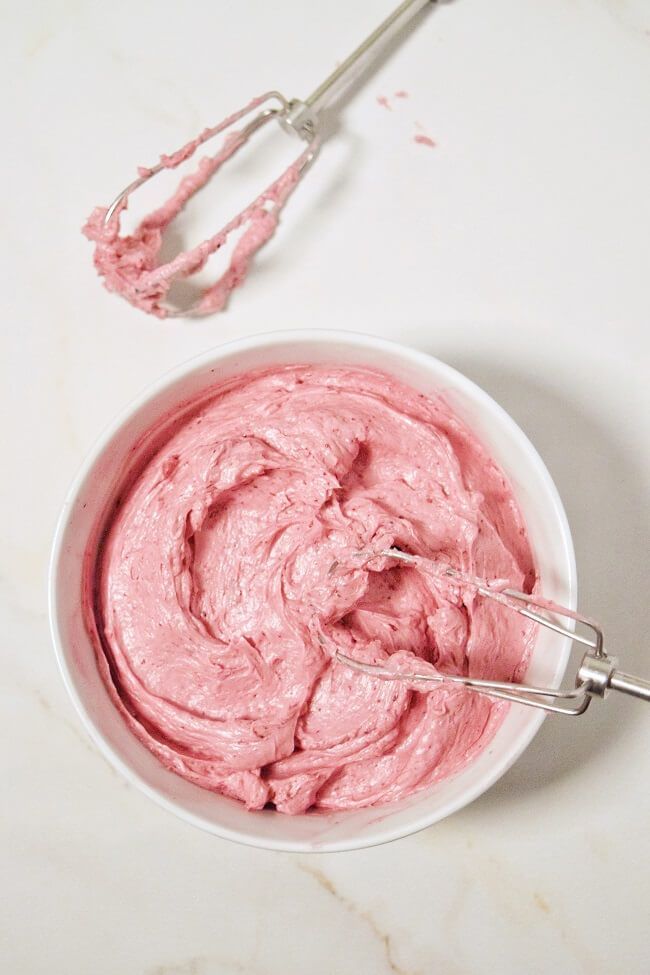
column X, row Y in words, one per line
column 517, row 250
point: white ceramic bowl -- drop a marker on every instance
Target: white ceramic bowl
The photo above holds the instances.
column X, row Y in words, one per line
column 98, row 482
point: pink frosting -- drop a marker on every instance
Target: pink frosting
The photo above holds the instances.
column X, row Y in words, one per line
column 228, row 578
column 424, row 140
column 129, row 264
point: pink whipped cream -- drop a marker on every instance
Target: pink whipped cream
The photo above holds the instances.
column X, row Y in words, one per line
column 229, row 577
column 130, row 264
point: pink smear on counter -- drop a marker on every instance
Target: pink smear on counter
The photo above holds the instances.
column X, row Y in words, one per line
column 130, row 265
column 383, row 101
column 401, row 94
column 217, row 615
column 424, row 140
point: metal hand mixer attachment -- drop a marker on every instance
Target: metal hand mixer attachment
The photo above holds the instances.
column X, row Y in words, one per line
column 138, row 277
column 597, row 674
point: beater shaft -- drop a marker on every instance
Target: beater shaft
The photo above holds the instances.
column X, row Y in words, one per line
column 388, row 28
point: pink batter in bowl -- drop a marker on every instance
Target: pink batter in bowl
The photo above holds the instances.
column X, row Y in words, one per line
column 132, row 437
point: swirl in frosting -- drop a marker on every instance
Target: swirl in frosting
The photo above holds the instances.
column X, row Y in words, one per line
column 227, row 580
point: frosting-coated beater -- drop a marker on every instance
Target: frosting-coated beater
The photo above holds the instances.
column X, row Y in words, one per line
column 597, row 674
column 131, row 264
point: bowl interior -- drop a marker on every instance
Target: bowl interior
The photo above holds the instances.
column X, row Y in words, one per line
column 129, row 439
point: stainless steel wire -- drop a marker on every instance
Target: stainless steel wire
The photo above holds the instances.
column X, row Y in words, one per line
column 596, row 676
column 301, row 118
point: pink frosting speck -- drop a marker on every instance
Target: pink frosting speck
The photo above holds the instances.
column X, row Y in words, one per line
column 424, row 140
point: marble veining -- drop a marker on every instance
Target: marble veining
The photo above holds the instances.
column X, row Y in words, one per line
column 383, row 937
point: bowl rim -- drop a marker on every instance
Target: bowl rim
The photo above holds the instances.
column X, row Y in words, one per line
column 381, row 834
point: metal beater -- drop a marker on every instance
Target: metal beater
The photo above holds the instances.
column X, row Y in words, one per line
column 301, row 118
column 597, row 674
